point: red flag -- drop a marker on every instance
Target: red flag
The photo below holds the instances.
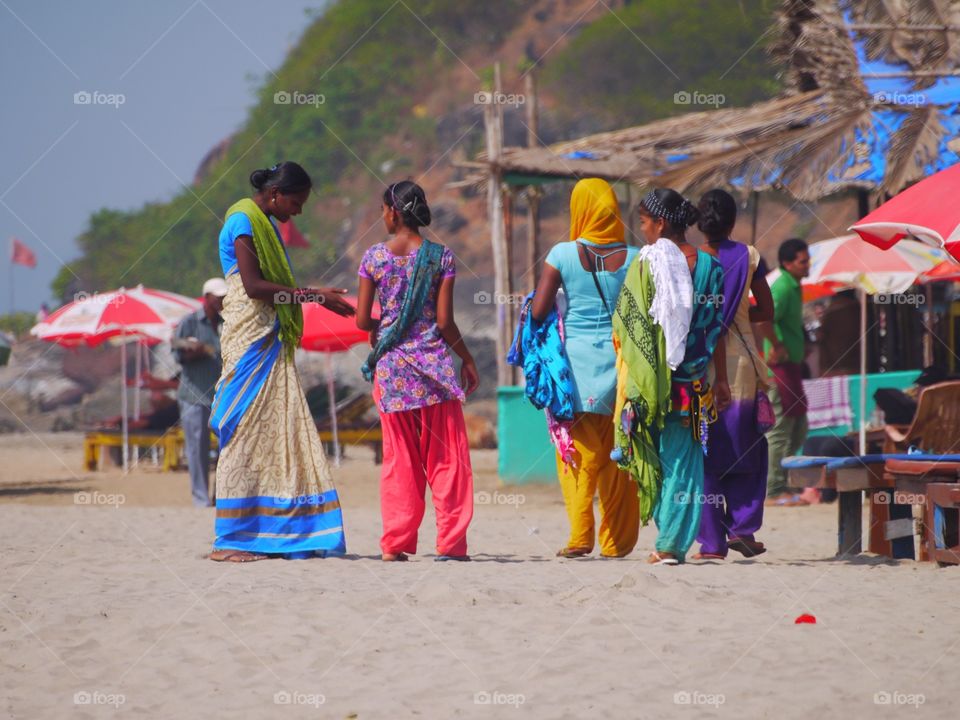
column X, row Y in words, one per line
column 291, row 236
column 20, row 254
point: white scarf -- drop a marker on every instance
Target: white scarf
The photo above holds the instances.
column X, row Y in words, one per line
column 672, row 306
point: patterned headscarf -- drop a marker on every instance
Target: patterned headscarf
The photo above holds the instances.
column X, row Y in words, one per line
column 684, row 215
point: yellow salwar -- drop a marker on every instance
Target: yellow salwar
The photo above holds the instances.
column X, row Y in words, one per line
column 595, row 473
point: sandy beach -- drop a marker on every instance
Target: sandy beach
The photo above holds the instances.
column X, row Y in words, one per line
column 108, row 607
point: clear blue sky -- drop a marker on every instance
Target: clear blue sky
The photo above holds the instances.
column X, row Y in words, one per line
column 188, row 70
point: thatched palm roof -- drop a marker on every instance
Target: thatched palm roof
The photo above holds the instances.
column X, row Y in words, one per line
column 842, row 120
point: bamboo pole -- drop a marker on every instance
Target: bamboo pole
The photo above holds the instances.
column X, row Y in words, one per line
column 533, row 191
column 507, row 301
column 493, row 127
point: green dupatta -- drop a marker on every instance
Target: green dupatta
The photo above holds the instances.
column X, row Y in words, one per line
column 643, row 386
column 275, row 268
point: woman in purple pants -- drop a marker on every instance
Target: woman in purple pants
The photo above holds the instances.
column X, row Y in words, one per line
column 735, row 478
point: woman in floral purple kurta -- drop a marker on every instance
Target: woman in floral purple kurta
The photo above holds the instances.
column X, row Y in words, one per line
column 419, row 371
column 416, row 387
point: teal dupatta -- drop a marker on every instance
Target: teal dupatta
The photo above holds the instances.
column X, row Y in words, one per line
column 425, row 268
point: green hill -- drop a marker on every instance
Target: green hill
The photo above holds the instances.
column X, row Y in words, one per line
column 376, row 63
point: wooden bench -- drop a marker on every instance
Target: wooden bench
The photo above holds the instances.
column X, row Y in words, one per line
column 353, row 427
column 911, row 480
column 942, row 523
column 850, row 477
column 169, row 442
column 96, row 441
column 936, row 430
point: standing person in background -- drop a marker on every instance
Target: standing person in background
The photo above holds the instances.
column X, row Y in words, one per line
column 415, row 381
column 785, row 353
column 591, row 268
column 275, row 492
column 735, row 473
column 196, row 342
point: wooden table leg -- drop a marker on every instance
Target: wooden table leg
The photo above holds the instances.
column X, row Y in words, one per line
column 849, row 522
column 89, row 454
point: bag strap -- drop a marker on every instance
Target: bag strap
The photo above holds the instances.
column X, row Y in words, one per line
column 747, row 347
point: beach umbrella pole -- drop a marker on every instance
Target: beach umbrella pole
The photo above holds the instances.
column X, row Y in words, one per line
column 136, row 394
column 333, row 410
column 863, row 371
column 123, row 404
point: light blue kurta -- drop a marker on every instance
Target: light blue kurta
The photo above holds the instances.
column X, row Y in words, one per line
column 588, row 326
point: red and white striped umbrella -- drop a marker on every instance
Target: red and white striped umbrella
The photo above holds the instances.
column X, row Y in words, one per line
column 948, row 270
column 927, row 211
column 811, row 290
column 94, row 318
column 850, row 261
column 141, row 313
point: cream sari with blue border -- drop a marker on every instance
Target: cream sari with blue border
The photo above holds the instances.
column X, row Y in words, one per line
column 275, row 493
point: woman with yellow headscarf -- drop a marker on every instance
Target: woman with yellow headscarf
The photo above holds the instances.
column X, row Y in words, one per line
column 591, row 269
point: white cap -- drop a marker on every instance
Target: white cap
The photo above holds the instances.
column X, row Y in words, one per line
column 215, row 286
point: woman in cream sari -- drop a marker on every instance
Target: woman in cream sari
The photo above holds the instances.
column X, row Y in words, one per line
column 275, row 495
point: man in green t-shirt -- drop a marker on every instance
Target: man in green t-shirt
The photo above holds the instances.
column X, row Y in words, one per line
column 785, row 353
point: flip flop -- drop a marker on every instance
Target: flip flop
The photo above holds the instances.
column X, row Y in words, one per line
column 791, row 501
column 656, row 558
column 452, row 558
column 709, row 556
column 237, row 556
column 573, row 552
column 747, row 548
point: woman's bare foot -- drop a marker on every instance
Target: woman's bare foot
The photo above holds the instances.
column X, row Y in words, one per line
column 662, row 558
column 237, row 556
column 394, row 557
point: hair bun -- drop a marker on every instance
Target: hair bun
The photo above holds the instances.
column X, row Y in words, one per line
column 718, row 213
column 421, row 213
column 258, row 178
column 689, row 213
column 287, row 177
column 408, row 199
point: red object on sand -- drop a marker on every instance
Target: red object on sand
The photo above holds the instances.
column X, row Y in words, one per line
column 20, row 254
column 325, row 331
column 927, row 211
column 805, row 620
column 291, row 235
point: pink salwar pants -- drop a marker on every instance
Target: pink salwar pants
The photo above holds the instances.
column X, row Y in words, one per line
column 425, row 446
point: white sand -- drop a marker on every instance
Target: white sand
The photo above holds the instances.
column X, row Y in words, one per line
column 119, row 603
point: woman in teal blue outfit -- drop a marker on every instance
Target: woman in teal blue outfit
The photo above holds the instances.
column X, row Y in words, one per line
column 591, row 269
column 664, row 217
